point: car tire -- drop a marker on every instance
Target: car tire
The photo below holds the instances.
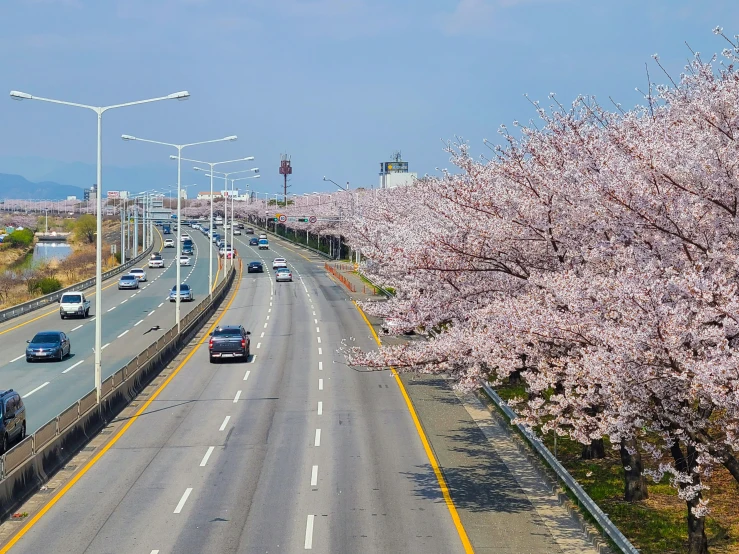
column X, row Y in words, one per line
column 29, row 360
column 212, row 359
column 87, row 313
column 23, row 431
column 61, row 354
column 5, row 444
column 63, row 316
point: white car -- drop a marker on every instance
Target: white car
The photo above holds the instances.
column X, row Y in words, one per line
column 237, row 232
column 156, row 261
column 283, row 274
column 139, row 273
column 168, row 243
column 279, row 262
column 184, row 237
column 185, row 260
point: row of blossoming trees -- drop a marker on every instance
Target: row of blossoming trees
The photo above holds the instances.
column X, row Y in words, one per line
column 595, row 256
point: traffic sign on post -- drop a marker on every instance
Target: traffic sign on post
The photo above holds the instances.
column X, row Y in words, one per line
column 282, row 218
column 312, row 219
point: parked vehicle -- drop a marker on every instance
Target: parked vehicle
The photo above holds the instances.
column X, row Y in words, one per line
column 12, row 419
column 283, row 274
column 229, row 341
column 74, row 304
column 139, row 273
column 185, row 293
column 263, row 244
column 255, row 267
column 48, row 345
column 128, row 282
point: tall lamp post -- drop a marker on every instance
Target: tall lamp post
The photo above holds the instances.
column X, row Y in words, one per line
column 99, row 110
column 225, row 176
column 179, row 148
column 233, row 219
column 210, row 246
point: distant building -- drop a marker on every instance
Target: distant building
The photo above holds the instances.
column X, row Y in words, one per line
column 395, row 173
column 91, row 193
column 71, row 198
column 206, row 195
column 157, row 202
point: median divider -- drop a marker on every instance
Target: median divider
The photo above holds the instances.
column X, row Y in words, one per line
column 41, row 301
column 30, row 463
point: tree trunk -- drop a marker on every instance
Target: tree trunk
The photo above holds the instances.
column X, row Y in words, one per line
column 514, row 377
column 635, row 484
column 595, row 450
column 697, row 541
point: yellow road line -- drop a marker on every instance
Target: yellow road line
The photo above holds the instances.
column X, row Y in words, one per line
column 115, row 439
column 426, row 446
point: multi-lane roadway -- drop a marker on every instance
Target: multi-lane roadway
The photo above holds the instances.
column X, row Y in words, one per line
column 49, row 387
column 289, row 451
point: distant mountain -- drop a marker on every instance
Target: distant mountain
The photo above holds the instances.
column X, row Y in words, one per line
column 17, row 187
column 82, row 175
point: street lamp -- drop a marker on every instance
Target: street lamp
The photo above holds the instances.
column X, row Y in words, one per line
column 232, row 209
column 179, row 148
column 225, row 176
column 210, row 246
column 99, row 110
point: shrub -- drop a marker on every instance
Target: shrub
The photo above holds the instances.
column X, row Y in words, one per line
column 86, row 228
column 22, row 238
column 47, row 285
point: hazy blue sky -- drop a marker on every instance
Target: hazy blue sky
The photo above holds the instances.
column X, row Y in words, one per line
column 337, row 84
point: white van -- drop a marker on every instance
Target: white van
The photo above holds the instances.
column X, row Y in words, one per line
column 74, row 304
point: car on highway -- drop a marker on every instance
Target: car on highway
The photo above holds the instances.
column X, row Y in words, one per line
column 12, row 419
column 185, row 260
column 262, row 236
column 249, row 231
column 187, row 250
column 139, row 273
column 128, row 282
column 237, row 232
column 48, row 345
column 240, row 225
column 156, row 260
column 263, row 244
column 255, row 267
column 224, row 249
column 185, row 293
column 229, row 341
column 254, row 241
column 74, row 304
column 283, row 274
column 279, row 262
column 168, row 243
column 184, row 237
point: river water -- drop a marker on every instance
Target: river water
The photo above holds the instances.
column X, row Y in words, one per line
column 46, row 251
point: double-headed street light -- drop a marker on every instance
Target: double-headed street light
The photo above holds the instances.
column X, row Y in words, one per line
column 210, row 246
column 232, row 210
column 179, row 148
column 223, row 175
column 99, row 110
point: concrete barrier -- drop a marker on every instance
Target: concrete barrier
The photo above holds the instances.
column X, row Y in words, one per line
column 130, row 368
column 44, row 434
column 88, row 401
column 141, row 359
column 68, row 417
column 151, row 351
column 106, row 387
column 18, row 454
column 119, row 376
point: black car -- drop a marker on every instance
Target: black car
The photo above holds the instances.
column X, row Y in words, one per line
column 254, row 241
column 255, row 267
column 187, row 250
column 240, row 226
column 229, row 341
column 48, row 345
column 13, row 420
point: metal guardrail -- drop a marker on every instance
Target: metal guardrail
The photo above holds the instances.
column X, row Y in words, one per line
column 588, row 503
column 41, row 301
column 65, row 422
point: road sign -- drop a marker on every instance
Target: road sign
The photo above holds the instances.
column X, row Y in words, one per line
column 282, row 218
column 312, row 219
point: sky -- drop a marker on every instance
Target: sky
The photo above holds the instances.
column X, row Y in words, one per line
column 336, row 84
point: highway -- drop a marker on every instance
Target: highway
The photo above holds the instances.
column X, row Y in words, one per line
column 49, row 387
column 288, row 452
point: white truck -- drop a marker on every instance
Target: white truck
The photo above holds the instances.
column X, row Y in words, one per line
column 74, row 304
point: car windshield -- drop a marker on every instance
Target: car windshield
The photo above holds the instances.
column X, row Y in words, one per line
column 227, row 333
column 283, row 270
column 52, row 338
column 255, row 263
column 128, row 278
column 183, row 288
column 136, row 271
column 71, row 298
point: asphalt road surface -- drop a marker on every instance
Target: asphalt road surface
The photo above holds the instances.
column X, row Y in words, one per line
column 49, row 387
column 289, row 451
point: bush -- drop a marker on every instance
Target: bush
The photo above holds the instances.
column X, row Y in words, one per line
column 86, row 228
column 18, row 239
column 47, row 285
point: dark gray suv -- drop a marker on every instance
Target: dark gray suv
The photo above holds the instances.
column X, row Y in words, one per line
column 13, row 420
